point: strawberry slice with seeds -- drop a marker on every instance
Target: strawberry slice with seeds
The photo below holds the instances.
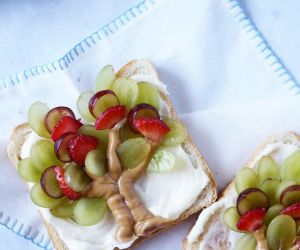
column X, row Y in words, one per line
column 67, row 124
column 252, row 220
column 67, row 191
column 80, row 145
column 293, row 210
column 152, row 128
column 110, row 117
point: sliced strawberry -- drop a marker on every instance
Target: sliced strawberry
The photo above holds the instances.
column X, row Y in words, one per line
column 67, row 124
column 110, row 117
column 252, row 220
column 293, row 210
column 152, row 128
column 67, row 191
column 80, row 145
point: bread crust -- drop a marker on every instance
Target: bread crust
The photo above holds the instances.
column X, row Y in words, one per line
column 206, row 197
column 285, row 137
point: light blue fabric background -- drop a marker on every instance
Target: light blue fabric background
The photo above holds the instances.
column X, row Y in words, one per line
column 36, row 32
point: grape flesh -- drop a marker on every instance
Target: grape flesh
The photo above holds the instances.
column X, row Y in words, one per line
column 95, row 163
column 245, row 178
column 290, row 167
column 246, row 242
column 272, row 213
column 28, row 171
column 89, row 211
column 267, row 168
column 148, row 94
column 105, row 78
column 176, row 135
column 162, row 161
column 36, row 118
column 64, row 210
column 270, row 186
column 281, row 233
column 231, row 218
column 83, row 106
column 133, row 151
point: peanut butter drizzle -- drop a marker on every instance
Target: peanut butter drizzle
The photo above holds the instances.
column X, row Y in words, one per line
column 117, row 187
column 114, row 164
column 145, row 221
column 259, row 235
column 123, row 217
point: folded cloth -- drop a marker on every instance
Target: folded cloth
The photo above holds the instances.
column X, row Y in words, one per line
column 224, row 90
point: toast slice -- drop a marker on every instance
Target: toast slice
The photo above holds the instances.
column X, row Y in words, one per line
column 209, row 232
column 206, row 196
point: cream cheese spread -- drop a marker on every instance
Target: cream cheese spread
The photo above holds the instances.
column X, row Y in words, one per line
column 165, row 194
column 278, row 151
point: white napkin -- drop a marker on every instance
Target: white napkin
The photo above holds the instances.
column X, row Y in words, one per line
column 209, row 56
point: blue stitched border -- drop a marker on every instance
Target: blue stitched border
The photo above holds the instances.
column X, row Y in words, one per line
column 263, row 47
column 112, row 27
column 80, row 48
column 26, row 232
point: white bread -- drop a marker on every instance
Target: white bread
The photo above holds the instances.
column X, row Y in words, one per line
column 209, row 224
column 206, row 196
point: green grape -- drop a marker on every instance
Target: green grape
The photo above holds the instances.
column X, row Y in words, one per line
column 76, row 177
column 246, row 242
column 272, row 213
column 43, row 156
column 281, row 233
column 282, row 186
column 83, row 106
column 148, row 94
column 27, row 171
column 101, row 135
column 95, row 163
column 267, row 168
column 89, row 211
column 40, row 198
column 231, row 218
column 133, row 151
column 177, row 135
column 36, row 117
column 162, row 161
column 127, row 91
column 270, row 186
column 290, row 167
column 64, row 210
column 105, row 78
column 245, row 178
column 127, row 133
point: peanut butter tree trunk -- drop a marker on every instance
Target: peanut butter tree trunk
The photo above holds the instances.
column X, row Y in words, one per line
column 130, row 213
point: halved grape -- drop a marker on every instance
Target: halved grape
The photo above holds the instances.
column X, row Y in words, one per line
column 28, row 171
column 251, row 198
column 83, row 106
column 89, row 211
column 281, row 233
column 272, row 213
column 290, row 167
column 245, row 178
column 127, row 91
column 75, row 177
column 64, row 210
column 50, row 184
column 36, row 117
column 127, row 133
column 270, row 186
column 133, row 151
column 55, row 115
column 102, row 100
column 162, row 161
column 282, row 186
column 290, row 195
column 267, row 168
column 40, row 198
column 148, row 93
column 101, row 135
column 140, row 111
column 176, row 135
column 246, row 242
column 105, row 78
column 61, row 147
column 42, row 155
column 231, row 218
column 95, row 163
